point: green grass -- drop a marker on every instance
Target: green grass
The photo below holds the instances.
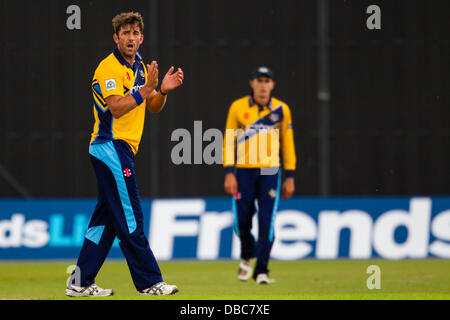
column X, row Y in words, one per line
column 297, row 280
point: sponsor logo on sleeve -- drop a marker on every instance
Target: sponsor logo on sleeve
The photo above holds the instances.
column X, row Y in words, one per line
column 110, row 84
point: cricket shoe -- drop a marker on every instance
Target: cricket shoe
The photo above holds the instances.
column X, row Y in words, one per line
column 159, row 289
column 245, row 269
column 263, row 278
column 92, row 291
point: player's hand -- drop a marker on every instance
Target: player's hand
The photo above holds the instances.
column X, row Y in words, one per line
column 230, row 185
column 172, row 80
column 152, row 77
column 288, row 188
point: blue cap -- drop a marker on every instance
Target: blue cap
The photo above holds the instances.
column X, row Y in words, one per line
column 262, row 71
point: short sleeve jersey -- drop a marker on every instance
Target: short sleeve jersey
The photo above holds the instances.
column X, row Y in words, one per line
column 115, row 76
column 255, row 134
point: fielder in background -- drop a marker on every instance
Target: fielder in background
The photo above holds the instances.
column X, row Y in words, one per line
column 258, row 135
column 123, row 88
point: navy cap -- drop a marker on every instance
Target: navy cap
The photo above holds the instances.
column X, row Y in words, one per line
column 262, row 71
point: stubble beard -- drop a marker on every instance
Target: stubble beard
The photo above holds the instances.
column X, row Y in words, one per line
column 123, row 51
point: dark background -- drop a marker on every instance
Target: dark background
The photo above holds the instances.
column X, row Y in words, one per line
column 388, row 129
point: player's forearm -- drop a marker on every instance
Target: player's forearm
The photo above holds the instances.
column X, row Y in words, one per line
column 120, row 106
column 288, row 151
column 289, row 162
column 157, row 102
column 228, row 153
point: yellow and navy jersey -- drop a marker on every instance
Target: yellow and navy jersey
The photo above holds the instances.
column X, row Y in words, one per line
column 115, row 76
column 255, row 134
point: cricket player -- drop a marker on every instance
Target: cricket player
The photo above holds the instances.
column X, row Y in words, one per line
column 123, row 87
column 258, row 137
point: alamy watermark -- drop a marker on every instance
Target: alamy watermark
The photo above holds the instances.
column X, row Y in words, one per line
column 374, row 20
column 75, row 276
column 73, row 22
column 374, row 281
column 257, row 145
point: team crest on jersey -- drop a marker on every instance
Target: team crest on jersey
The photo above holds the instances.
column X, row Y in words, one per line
column 128, row 76
column 246, row 115
column 110, row 84
column 272, row 193
column 142, row 73
column 274, row 117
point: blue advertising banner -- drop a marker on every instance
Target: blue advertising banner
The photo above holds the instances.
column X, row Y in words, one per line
column 313, row 228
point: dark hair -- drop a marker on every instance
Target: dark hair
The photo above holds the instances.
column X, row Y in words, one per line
column 126, row 18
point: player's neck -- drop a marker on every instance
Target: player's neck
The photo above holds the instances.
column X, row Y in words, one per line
column 262, row 101
column 128, row 59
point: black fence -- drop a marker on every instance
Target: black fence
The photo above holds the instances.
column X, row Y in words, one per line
column 382, row 129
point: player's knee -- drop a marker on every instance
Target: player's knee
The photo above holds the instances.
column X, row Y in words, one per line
column 245, row 235
column 266, row 237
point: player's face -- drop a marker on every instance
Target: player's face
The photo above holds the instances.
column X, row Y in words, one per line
column 129, row 39
column 262, row 86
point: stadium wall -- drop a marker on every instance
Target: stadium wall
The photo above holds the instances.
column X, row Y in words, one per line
column 202, row 228
column 389, row 97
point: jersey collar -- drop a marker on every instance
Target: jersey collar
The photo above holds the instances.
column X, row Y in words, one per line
column 121, row 59
column 251, row 102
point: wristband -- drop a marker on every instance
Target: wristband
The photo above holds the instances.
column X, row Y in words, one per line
column 164, row 94
column 289, row 173
column 138, row 97
column 229, row 169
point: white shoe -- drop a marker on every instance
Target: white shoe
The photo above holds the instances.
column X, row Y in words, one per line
column 159, row 289
column 92, row 291
column 245, row 269
column 263, row 278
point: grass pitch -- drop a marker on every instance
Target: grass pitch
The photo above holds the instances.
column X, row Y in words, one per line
column 296, row 280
